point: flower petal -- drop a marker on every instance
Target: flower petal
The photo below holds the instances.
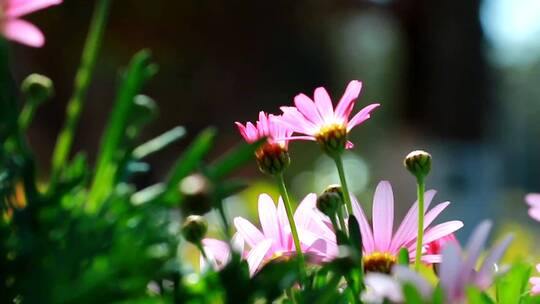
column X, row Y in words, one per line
column 269, row 221
column 450, row 272
column 295, row 121
column 257, row 254
column 18, row 8
column 383, row 216
column 217, row 248
column 441, row 230
column 484, row 277
column 346, row 103
column 367, row 236
column 324, row 105
column 306, row 106
column 475, row 246
column 248, row 231
column 361, row 116
column 408, row 228
column 23, row 32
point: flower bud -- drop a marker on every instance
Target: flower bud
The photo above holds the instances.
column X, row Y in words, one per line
column 330, row 200
column 194, row 229
column 196, row 191
column 37, row 88
column 418, row 163
column 272, row 158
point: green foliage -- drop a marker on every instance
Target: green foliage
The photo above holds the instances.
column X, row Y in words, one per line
column 511, row 286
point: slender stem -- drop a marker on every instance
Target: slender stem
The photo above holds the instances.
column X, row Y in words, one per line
column 226, row 227
column 419, row 240
column 201, row 249
column 343, row 180
column 82, row 82
column 341, row 219
column 290, row 216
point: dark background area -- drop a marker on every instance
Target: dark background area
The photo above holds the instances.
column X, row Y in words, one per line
column 447, row 79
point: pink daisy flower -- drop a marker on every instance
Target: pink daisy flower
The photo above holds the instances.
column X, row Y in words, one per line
column 381, row 244
column 17, row 29
column 265, row 127
column 273, row 156
column 533, row 200
column 274, row 240
column 319, row 121
column 535, row 282
column 436, row 246
column 458, row 271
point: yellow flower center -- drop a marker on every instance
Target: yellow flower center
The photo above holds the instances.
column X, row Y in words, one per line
column 332, row 138
column 379, row 262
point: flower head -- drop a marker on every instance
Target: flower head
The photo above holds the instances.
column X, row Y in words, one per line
column 457, row 272
column 273, row 156
column 381, row 244
column 274, row 240
column 17, row 29
column 535, row 282
column 533, row 200
column 318, row 120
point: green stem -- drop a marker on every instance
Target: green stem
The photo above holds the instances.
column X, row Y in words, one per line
column 82, row 82
column 419, row 240
column 290, row 216
column 341, row 219
column 343, row 180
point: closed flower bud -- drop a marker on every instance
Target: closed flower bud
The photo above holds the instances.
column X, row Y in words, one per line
column 272, row 158
column 418, row 163
column 330, row 200
column 194, row 229
column 37, row 88
column 196, row 191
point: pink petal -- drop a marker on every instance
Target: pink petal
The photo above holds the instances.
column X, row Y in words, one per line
column 303, row 213
column 430, row 258
column 441, row 230
column 534, row 280
column 23, row 32
column 18, row 8
column 257, row 254
column 408, row 228
column 383, row 216
column 484, row 277
column 283, row 222
column 349, row 145
column 428, row 219
column 268, row 218
column 534, row 213
column 538, row 267
column 306, row 106
column 450, row 270
column 219, row 249
column 248, row 231
column 324, row 105
column 346, row 103
column 297, row 122
column 533, row 199
column 367, row 236
column 361, row 116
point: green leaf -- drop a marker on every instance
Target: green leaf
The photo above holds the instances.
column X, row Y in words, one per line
column 187, row 163
column 474, row 295
column 403, row 256
column 354, row 235
column 411, row 294
column 234, row 159
column 159, row 143
column 511, row 285
column 112, row 150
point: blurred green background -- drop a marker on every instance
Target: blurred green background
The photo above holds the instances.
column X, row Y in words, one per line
column 457, row 78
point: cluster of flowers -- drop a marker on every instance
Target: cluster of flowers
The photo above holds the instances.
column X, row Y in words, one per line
column 311, row 230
